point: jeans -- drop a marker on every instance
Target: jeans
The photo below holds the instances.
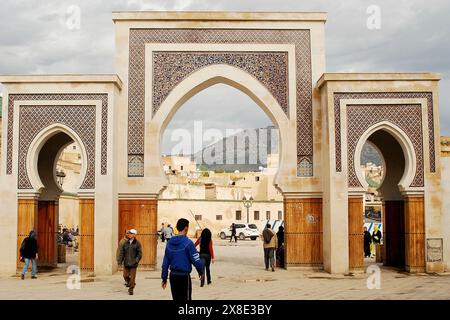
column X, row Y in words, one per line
column 33, row 266
column 269, row 257
column 206, row 259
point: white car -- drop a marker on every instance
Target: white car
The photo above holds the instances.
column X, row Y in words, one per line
column 243, row 231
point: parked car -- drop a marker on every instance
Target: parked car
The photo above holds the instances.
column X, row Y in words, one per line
column 243, row 231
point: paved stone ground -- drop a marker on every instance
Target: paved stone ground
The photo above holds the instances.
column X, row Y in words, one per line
column 237, row 274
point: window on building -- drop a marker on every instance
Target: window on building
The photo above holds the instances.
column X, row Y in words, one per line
column 238, row 215
column 268, row 215
column 219, row 217
column 74, row 147
column 280, row 215
column 181, row 168
column 255, row 215
column 256, row 178
column 198, row 217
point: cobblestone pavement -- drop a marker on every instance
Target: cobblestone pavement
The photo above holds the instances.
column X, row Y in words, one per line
column 237, row 274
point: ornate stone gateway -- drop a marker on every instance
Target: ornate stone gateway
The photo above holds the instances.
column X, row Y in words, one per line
column 278, row 60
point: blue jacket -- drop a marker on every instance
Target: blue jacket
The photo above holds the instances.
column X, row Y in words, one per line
column 180, row 255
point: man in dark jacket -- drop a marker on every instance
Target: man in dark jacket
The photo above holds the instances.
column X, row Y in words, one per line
column 179, row 257
column 130, row 255
column 233, row 233
column 29, row 252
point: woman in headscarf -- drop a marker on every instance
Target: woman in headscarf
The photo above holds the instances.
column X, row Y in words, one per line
column 206, row 252
column 280, row 250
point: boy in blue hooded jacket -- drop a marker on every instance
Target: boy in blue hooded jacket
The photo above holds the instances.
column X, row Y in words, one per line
column 179, row 257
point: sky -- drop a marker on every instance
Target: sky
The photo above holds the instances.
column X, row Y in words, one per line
column 414, row 36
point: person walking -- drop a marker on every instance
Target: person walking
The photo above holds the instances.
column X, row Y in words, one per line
column 367, row 242
column 280, row 248
column 119, row 247
column 168, row 232
column 161, row 233
column 376, row 239
column 376, row 235
column 130, row 255
column 269, row 245
column 179, row 257
column 233, row 233
column 29, row 253
column 206, row 253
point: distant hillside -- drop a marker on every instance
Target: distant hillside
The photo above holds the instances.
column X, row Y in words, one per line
column 245, row 151
column 253, row 151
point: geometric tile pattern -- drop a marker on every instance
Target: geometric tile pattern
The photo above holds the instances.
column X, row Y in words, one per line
column 406, row 117
column 33, row 119
column 384, row 95
column 305, row 167
column 136, row 81
column 67, row 96
column 270, row 68
column 135, row 165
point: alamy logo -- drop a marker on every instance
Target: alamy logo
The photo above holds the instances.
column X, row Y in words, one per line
column 374, row 279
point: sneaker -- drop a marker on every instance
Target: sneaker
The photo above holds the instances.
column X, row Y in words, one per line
column 273, row 269
column 126, row 284
column 22, row 276
column 33, row 277
column 130, row 292
column 209, row 282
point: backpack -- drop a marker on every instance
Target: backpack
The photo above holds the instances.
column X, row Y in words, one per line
column 267, row 235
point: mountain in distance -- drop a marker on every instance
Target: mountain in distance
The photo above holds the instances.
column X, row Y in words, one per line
column 248, row 151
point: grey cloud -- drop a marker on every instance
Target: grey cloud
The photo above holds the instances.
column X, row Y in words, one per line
column 414, row 36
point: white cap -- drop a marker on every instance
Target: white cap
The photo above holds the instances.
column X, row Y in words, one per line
column 133, row 231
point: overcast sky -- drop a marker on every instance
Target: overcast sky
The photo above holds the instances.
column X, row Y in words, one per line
column 414, row 36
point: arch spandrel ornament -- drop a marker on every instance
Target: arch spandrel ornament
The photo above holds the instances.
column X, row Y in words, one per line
column 257, row 64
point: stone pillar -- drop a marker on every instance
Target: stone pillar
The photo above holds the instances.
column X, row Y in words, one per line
column 105, row 225
column 335, row 228
column 303, row 232
column 356, row 232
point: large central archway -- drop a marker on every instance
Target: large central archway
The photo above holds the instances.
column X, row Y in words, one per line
column 132, row 215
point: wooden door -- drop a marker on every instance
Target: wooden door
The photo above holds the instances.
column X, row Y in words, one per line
column 46, row 233
column 86, row 235
column 414, row 234
column 142, row 216
column 27, row 220
column 394, row 233
column 303, row 232
column 356, row 233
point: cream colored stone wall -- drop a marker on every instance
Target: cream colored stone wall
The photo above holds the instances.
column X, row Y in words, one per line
column 445, row 167
column 335, row 185
column 69, row 215
column 105, row 192
column 154, row 179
